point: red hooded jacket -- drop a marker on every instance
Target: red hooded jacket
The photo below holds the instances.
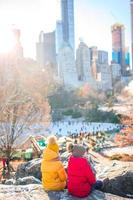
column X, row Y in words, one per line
column 80, row 177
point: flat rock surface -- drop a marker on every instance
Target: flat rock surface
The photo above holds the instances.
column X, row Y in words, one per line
column 36, row 192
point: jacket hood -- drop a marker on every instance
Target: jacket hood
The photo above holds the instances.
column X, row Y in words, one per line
column 77, row 163
column 48, row 154
column 54, row 147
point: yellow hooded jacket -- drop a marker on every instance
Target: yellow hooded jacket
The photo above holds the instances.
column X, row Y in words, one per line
column 53, row 173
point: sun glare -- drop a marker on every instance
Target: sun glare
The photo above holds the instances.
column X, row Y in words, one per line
column 6, row 40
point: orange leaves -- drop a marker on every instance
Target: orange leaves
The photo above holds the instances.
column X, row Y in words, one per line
column 84, row 91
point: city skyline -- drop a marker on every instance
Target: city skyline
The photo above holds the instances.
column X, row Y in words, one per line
column 93, row 18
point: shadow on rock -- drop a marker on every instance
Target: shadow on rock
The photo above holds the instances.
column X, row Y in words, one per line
column 121, row 185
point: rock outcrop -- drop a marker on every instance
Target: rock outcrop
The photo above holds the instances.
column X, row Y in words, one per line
column 36, row 192
column 31, row 168
column 117, row 176
column 23, row 181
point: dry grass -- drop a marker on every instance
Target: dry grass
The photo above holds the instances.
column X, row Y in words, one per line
column 122, row 157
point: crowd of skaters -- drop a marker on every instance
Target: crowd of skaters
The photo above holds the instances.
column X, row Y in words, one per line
column 74, row 127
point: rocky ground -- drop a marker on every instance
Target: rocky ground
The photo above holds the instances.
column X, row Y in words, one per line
column 36, row 192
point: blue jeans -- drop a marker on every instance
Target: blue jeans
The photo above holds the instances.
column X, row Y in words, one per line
column 98, row 185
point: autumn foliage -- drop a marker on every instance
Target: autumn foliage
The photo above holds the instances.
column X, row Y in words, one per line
column 125, row 137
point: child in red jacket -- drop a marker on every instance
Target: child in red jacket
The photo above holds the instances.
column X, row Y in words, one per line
column 81, row 179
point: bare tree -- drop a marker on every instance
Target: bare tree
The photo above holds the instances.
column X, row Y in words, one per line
column 23, row 101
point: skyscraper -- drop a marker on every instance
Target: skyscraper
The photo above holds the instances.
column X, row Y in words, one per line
column 58, row 35
column 131, row 3
column 45, row 48
column 102, row 57
column 127, row 57
column 94, row 60
column 17, row 49
column 118, row 45
column 83, row 62
column 67, row 69
column 67, row 14
column 40, row 49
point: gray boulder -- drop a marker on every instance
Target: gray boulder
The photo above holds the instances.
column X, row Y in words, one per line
column 31, row 192
column 23, row 181
column 31, row 168
column 118, row 178
column 27, row 180
column 10, row 182
column 121, row 185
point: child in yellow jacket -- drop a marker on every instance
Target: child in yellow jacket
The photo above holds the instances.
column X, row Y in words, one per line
column 53, row 173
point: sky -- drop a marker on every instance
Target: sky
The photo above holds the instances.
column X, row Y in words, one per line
column 93, row 20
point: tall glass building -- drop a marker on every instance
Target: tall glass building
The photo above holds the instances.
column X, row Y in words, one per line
column 131, row 4
column 67, row 14
column 59, row 35
column 118, row 45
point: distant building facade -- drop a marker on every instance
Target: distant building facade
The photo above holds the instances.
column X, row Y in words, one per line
column 131, row 4
column 102, row 57
column 66, row 67
column 104, row 78
column 116, row 71
column 94, row 61
column 83, row 62
column 46, row 49
column 40, row 49
column 127, row 57
column 17, row 49
column 118, row 46
column 59, row 35
column 67, row 15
